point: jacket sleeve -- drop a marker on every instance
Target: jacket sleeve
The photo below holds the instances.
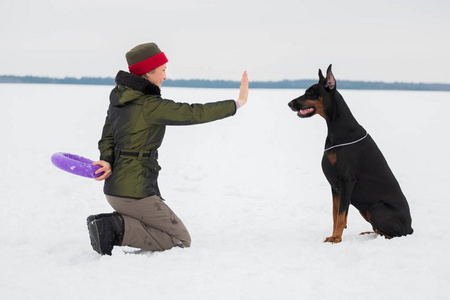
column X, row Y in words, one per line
column 106, row 143
column 167, row 112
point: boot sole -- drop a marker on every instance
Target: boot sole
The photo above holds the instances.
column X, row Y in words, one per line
column 94, row 235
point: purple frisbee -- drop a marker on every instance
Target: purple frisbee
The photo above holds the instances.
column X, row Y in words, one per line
column 75, row 164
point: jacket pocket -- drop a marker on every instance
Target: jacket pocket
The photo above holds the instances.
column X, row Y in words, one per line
column 150, row 173
column 151, row 165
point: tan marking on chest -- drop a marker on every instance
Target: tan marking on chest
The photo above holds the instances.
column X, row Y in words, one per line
column 332, row 157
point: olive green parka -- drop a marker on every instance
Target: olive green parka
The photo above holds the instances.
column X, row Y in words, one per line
column 134, row 129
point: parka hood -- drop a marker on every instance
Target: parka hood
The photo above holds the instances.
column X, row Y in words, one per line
column 130, row 87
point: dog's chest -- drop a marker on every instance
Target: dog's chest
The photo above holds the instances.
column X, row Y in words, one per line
column 339, row 166
column 330, row 168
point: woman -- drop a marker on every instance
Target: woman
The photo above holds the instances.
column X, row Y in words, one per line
column 133, row 131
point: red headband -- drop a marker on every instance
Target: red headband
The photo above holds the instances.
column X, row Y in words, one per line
column 148, row 64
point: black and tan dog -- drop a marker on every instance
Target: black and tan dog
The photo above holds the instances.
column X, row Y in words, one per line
column 354, row 166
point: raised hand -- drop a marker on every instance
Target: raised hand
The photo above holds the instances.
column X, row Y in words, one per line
column 243, row 93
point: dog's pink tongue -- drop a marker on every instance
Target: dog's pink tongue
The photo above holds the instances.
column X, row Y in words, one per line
column 305, row 111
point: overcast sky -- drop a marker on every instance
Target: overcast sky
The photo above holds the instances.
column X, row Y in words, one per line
column 382, row 40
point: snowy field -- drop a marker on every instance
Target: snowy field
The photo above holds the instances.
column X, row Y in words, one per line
column 249, row 188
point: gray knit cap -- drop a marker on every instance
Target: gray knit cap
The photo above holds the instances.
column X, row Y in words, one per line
column 144, row 58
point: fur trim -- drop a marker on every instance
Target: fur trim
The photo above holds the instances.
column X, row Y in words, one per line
column 137, row 83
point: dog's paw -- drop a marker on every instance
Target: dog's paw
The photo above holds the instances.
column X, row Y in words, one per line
column 366, row 232
column 333, row 239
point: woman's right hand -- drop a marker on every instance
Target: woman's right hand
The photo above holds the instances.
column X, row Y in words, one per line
column 243, row 93
column 105, row 167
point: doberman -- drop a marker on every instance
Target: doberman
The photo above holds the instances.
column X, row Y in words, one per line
column 353, row 165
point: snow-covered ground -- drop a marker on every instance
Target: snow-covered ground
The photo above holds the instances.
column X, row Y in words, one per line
column 249, row 188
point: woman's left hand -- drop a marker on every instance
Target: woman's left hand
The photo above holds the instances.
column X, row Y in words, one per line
column 243, row 91
column 105, row 167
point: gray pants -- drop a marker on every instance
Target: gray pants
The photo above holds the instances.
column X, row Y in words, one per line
column 150, row 224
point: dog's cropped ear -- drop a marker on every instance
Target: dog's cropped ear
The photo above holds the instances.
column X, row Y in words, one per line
column 321, row 78
column 330, row 80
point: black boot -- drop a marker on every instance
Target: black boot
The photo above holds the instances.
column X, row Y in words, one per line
column 105, row 231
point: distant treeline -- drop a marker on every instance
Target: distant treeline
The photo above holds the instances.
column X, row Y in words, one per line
column 199, row 83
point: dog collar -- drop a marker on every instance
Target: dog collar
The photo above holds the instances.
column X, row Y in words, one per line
column 346, row 144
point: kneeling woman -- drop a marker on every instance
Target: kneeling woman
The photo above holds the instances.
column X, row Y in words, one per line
column 133, row 132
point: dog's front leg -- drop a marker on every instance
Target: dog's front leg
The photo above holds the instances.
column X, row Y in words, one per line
column 340, row 212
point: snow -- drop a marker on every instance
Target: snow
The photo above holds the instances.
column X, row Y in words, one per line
column 249, row 188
